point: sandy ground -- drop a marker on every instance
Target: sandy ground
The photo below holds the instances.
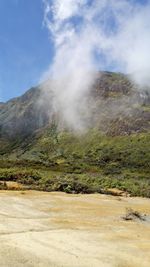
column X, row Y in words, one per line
column 55, row 230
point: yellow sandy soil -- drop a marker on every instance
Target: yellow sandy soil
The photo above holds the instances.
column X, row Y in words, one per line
column 55, row 229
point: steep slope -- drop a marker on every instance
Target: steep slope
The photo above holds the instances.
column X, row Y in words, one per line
column 22, row 116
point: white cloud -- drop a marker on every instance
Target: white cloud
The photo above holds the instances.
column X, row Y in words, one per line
column 119, row 31
column 65, row 9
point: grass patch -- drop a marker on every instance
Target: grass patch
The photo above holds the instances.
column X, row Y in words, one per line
column 82, row 164
column 47, row 180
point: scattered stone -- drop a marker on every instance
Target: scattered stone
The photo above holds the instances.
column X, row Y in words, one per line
column 132, row 215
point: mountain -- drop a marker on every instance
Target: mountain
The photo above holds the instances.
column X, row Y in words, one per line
column 39, row 150
column 21, row 116
column 114, row 102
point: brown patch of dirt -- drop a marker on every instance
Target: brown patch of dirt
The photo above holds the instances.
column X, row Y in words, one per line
column 56, row 229
column 14, row 186
column 117, row 192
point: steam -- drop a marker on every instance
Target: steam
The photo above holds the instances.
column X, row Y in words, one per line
column 89, row 36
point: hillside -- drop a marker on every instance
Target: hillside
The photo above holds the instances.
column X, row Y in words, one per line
column 38, row 150
column 113, row 100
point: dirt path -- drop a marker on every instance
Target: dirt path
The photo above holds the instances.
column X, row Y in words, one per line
column 55, row 229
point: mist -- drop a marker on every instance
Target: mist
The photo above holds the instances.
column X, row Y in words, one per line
column 90, row 36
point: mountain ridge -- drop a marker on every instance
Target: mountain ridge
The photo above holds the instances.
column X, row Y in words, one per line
column 25, row 114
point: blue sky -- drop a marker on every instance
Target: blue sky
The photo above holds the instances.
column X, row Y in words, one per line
column 25, row 47
column 25, row 50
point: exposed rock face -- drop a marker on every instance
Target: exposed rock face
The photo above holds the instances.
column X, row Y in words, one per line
column 116, row 104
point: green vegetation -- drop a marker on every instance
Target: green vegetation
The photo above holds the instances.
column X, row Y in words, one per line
column 114, row 154
column 81, row 164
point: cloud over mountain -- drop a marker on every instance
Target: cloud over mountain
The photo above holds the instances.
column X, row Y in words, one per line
column 95, row 35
